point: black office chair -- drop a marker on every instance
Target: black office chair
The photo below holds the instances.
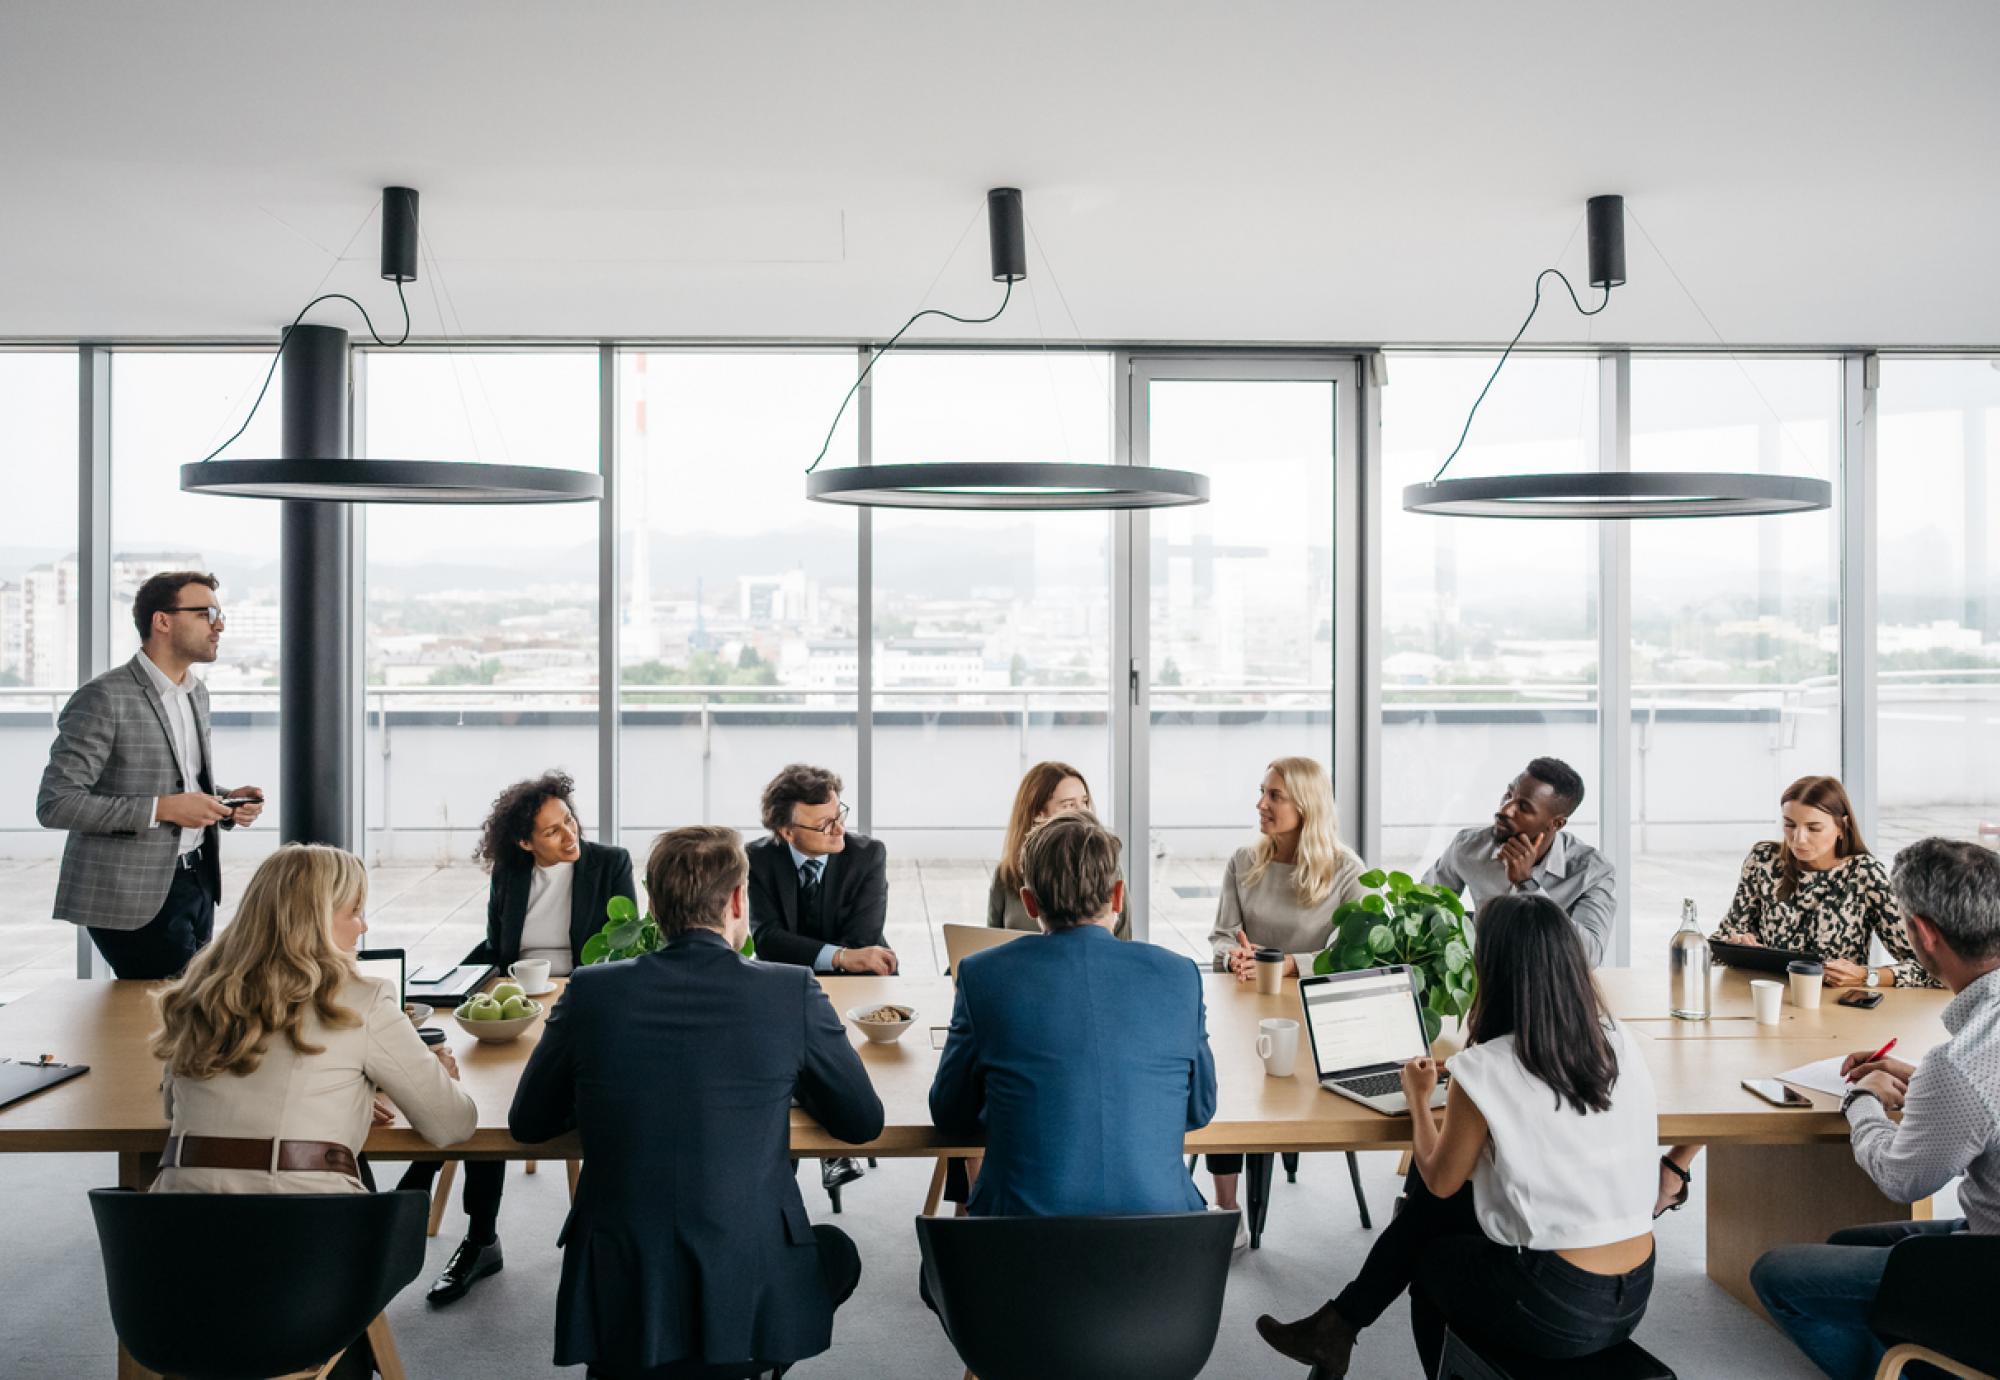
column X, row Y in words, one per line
column 1933, row 1305
column 1463, row 1361
column 1080, row 1298
column 240, row 1286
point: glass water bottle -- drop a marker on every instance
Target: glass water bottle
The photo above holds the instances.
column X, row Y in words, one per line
column 1687, row 964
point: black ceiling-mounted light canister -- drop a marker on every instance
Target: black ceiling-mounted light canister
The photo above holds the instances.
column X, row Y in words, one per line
column 1005, row 235
column 1604, row 223
column 399, row 234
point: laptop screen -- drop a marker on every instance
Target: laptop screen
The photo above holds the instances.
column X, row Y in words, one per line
column 383, row 963
column 1358, row 1020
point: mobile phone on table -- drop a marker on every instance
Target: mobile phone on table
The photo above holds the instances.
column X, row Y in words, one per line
column 1862, row 998
column 1776, row 1093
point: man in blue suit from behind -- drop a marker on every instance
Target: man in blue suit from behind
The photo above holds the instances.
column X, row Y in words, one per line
column 1084, row 1061
column 688, row 1252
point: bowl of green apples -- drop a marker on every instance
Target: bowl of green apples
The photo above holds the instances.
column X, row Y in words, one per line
column 505, row 1014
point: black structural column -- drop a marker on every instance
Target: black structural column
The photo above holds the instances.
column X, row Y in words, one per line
column 316, row 665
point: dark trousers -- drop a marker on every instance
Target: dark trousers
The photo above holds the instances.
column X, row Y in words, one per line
column 839, row 1266
column 1225, row 1164
column 163, row 946
column 1529, row 1301
column 485, row 1181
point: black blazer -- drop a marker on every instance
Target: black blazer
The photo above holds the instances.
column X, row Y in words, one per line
column 688, row 1238
column 855, row 899
column 601, row 873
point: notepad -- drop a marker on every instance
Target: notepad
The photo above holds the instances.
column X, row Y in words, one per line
column 1821, row 1076
column 24, row 1078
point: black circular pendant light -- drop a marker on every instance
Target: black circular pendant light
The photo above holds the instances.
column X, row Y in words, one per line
column 1009, row 486
column 306, row 472
column 1614, row 495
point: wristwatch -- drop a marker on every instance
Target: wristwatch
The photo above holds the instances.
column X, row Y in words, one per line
column 1853, row 1094
column 1874, row 978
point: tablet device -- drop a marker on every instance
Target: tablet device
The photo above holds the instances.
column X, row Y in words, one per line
column 384, row 963
column 1758, row 958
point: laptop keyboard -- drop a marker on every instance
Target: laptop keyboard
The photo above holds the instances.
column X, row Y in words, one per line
column 1380, row 1084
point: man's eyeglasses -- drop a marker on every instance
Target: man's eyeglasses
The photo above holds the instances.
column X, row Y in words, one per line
column 212, row 612
column 839, row 818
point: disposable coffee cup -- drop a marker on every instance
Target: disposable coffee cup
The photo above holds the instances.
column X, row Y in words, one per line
column 1769, row 999
column 1807, row 977
column 532, row 974
column 1278, row 1046
column 1270, row 971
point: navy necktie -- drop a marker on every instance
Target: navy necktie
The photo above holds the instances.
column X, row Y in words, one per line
column 809, row 892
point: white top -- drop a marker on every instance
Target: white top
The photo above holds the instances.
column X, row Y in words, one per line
column 545, row 930
column 1554, row 1179
column 179, row 702
column 324, row 1096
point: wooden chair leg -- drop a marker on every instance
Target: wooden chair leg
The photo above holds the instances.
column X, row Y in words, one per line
column 575, row 1167
column 388, row 1360
column 936, row 1193
column 531, row 1167
column 1899, row 1357
column 440, row 1195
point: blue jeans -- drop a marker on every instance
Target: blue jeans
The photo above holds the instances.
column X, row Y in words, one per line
column 1820, row 1295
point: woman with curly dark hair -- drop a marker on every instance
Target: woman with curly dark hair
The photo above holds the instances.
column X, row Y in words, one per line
column 549, row 892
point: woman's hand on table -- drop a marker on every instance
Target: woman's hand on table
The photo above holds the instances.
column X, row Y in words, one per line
column 1841, row 973
column 447, row 1058
column 1748, row 941
column 381, row 1112
column 1242, row 959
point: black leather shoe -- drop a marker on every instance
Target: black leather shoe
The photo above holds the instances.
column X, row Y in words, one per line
column 839, row 1172
column 469, row 1264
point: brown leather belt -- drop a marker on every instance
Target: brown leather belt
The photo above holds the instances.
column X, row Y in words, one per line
column 238, row 1152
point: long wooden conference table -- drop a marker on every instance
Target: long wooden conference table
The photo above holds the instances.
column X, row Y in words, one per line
column 1772, row 1175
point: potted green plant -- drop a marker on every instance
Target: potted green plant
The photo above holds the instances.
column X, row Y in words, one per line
column 1406, row 922
column 627, row 934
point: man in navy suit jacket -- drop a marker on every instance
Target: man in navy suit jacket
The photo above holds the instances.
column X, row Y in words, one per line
column 1083, row 1060
column 688, row 1251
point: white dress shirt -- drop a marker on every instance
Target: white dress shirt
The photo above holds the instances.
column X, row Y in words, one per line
column 179, row 702
column 545, row 928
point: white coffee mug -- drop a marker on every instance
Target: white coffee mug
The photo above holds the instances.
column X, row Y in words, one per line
column 532, row 974
column 1278, row 1046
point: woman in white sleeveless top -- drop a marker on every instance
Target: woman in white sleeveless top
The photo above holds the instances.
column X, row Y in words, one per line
column 1528, row 1223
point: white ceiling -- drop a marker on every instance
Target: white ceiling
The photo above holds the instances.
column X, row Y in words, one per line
column 1818, row 172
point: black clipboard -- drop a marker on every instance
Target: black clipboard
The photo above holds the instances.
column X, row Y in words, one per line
column 19, row 1079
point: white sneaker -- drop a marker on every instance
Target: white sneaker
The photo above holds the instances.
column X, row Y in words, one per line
column 1242, row 1232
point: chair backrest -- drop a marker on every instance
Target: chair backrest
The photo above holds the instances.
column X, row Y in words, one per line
column 234, row 1286
column 1935, row 1292
column 1094, row 1298
column 963, row 941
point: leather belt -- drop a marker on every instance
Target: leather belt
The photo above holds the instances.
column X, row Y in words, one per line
column 239, row 1152
column 190, row 859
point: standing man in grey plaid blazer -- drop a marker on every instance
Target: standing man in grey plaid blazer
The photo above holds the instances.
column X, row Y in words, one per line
column 130, row 777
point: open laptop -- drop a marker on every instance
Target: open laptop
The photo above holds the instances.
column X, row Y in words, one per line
column 962, row 941
column 1363, row 1027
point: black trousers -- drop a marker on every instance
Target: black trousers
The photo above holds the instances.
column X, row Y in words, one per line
column 163, row 946
column 1529, row 1301
column 839, row 1266
column 485, row 1181
column 1225, row 1164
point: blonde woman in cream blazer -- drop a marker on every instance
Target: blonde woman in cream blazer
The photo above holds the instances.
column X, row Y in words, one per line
column 276, row 1047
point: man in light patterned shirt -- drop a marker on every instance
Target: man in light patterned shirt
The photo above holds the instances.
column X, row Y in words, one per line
column 1950, row 1100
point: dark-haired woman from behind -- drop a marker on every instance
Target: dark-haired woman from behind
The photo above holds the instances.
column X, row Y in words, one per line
column 549, row 892
column 1528, row 1223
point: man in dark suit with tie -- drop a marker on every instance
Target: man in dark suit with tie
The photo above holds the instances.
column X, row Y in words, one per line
column 818, row 894
column 130, row 776
column 688, row 1252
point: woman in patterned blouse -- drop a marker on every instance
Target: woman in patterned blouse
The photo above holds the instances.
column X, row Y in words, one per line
column 1822, row 892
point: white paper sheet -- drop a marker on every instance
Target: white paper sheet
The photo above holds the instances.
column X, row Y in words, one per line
column 1822, row 1075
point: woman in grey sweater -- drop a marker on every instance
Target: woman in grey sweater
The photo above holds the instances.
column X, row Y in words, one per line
column 1281, row 892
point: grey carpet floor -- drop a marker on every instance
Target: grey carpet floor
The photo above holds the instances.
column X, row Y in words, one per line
column 54, row 1324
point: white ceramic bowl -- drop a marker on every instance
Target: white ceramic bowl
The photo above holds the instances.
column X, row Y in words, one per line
column 883, row 1032
column 499, row 1032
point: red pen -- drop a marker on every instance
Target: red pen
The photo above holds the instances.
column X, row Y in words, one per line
column 1880, row 1052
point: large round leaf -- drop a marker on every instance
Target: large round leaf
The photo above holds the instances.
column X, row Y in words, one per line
column 620, row 908
column 623, row 935
column 1374, row 877
column 1381, row 939
column 596, row 949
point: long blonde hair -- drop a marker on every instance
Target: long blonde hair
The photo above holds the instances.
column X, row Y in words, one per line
column 1036, row 787
column 272, row 962
column 1318, row 861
